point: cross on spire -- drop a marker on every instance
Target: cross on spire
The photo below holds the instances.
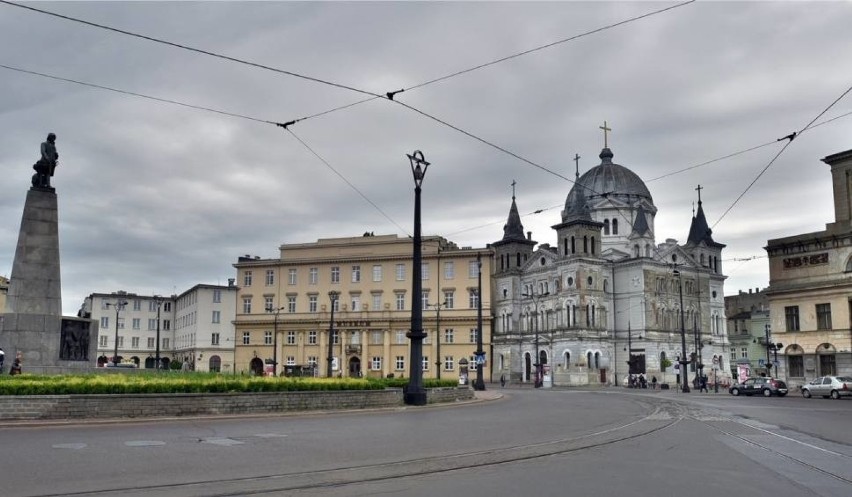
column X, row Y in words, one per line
column 513, row 188
column 605, row 130
column 577, row 162
column 699, row 192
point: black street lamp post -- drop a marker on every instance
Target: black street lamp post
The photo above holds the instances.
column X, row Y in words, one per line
column 438, row 336
column 119, row 305
column 332, row 297
column 539, row 381
column 275, row 339
column 415, row 394
column 159, row 301
column 771, row 347
column 479, row 383
column 683, row 360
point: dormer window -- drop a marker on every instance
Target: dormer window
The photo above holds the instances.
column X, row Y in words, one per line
column 542, row 261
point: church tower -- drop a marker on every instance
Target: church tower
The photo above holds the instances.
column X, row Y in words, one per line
column 514, row 249
column 700, row 244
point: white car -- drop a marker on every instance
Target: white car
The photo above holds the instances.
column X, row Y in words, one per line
column 828, row 386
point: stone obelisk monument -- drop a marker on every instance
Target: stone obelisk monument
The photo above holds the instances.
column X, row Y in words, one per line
column 33, row 328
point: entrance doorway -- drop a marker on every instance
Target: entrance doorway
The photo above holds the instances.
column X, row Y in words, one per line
column 256, row 367
column 355, row 367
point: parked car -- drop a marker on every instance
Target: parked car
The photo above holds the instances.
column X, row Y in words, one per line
column 760, row 385
column 828, row 386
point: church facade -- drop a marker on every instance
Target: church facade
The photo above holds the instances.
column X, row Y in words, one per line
column 606, row 300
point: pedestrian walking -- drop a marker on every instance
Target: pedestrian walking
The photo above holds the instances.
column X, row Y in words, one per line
column 2, row 358
column 654, row 382
column 502, row 381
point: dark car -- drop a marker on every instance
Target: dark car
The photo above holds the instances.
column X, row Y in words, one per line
column 764, row 386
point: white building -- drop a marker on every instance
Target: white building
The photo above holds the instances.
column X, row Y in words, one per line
column 204, row 327
column 606, row 292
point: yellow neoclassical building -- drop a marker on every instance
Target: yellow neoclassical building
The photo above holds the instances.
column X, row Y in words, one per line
column 285, row 307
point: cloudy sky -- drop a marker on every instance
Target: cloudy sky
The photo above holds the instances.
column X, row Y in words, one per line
column 155, row 197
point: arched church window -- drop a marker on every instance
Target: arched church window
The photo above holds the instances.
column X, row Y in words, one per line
column 615, row 226
column 647, row 250
column 674, row 257
column 593, row 245
column 589, row 280
column 636, row 251
column 585, row 244
column 849, row 265
column 565, row 246
column 518, row 262
column 542, row 261
column 702, row 259
column 605, row 286
column 606, row 226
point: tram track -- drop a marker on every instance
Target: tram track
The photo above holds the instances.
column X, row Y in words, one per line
column 660, row 418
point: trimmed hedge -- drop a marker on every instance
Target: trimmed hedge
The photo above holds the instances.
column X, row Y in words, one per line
column 27, row 384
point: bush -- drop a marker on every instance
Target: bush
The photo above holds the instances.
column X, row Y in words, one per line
column 99, row 383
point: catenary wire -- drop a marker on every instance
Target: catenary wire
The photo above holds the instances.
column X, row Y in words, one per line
column 341, row 176
column 134, row 94
column 789, row 139
column 193, row 49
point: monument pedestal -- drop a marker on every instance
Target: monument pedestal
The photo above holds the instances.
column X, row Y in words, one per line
column 32, row 322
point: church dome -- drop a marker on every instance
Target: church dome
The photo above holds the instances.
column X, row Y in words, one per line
column 606, row 180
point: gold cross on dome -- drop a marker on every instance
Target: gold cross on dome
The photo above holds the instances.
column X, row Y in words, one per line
column 605, row 129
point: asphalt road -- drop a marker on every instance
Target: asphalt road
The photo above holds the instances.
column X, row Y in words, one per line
column 526, row 441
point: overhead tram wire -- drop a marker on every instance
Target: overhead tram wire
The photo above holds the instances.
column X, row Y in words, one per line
column 372, row 96
column 134, row 94
column 792, row 136
column 193, row 49
column 390, row 95
column 335, row 171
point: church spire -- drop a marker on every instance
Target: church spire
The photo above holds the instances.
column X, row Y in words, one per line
column 513, row 230
column 699, row 230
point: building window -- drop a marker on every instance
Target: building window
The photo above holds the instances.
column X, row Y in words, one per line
column 246, row 305
column 448, row 335
column 291, row 276
column 152, row 342
column 217, row 315
column 472, row 269
column 400, row 301
column 247, row 278
column 121, row 342
column 377, row 301
column 471, row 361
column 795, row 366
column 165, row 343
column 291, row 338
column 335, row 304
column 167, row 324
column 335, row 274
column 449, row 299
column 376, row 363
column 120, row 323
column 744, row 352
column 102, row 340
column 134, row 342
column 267, row 338
column 449, row 364
column 137, row 323
column 356, row 302
column 473, row 334
column 356, row 274
column 614, row 227
column 823, row 313
column 313, row 276
column 152, row 324
column 312, row 303
column 400, row 272
column 104, row 322
column 270, row 277
column 312, row 361
column 217, row 298
column 268, row 306
column 376, row 337
column 424, row 302
column 312, row 338
column 214, row 339
column 449, row 270
column 400, row 337
column 335, row 337
column 606, row 226
column 791, row 315
column 474, row 299
column 291, row 303
column 377, row 273
column 400, row 363
column 425, row 363
column 291, row 360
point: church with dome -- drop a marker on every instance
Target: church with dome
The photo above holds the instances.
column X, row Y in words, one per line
column 603, row 299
